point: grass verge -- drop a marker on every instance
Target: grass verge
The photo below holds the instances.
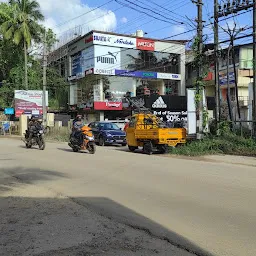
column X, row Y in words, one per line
column 229, row 144
column 59, row 135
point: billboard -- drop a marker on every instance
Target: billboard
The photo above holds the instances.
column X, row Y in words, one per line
column 29, row 102
column 106, row 60
column 114, row 40
column 82, row 61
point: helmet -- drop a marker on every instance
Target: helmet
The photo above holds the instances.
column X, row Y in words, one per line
column 79, row 117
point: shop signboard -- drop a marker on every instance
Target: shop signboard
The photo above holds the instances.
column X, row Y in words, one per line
column 28, row 101
column 168, row 76
column 145, row 44
column 82, row 61
column 108, row 105
column 139, row 74
column 223, row 78
column 114, row 40
column 9, row 111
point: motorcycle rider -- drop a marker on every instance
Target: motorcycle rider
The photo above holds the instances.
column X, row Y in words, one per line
column 32, row 126
column 76, row 128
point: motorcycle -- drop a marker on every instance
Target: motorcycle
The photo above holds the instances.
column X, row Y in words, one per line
column 37, row 137
column 88, row 141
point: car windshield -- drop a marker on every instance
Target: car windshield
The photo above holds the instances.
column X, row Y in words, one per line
column 108, row 126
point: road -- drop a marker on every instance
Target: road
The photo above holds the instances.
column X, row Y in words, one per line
column 202, row 207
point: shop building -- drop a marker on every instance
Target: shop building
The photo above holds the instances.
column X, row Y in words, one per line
column 244, row 71
column 103, row 67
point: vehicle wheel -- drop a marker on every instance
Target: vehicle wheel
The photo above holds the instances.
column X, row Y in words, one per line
column 28, row 145
column 101, row 141
column 162, row 149
column 75, row 149
column 132, row 148
column 41, row 145
column 148, row 148
column 92, row 148
column 124, row 144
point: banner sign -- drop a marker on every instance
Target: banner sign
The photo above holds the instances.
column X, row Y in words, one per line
column 147, row 74
column 114, row 40
column 168, row 76
column 171, row 116
column 108, row 105
column 107, row 59
column 140, row 74
column 145, row 44
column 9, row 111
column 223, row 78
column 28, row 101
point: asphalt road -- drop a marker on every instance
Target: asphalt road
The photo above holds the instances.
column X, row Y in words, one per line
column 203, row 207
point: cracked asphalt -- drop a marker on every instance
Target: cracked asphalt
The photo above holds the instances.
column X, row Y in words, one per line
column 56, row 202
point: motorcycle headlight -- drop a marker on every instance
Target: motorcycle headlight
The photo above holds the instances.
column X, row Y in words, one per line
column 89, row 137
column 41, row 132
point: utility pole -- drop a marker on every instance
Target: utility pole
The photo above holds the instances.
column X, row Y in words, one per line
column 44, row 81
column 199, row 68
column 228, row 86
column 254, row 69
column 216, row 62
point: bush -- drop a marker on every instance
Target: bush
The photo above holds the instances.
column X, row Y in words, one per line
column 59, row 134
column 226, row 144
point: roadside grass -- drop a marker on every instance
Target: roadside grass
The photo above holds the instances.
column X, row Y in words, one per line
column 227, row 143
column 60, row 134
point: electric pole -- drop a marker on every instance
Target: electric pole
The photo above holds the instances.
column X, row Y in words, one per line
column 199, row 68
column 44, row 81
column 216, row 62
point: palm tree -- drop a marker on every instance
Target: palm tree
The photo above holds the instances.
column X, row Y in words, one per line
column 22, row 26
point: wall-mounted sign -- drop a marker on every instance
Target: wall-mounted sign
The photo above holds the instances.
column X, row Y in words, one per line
column 9, row 111
column 106, row 59
column 108, row 105
column 145, row 44
column 114, row 41
column 140, row 74
column 223, row 78
column 168, row 76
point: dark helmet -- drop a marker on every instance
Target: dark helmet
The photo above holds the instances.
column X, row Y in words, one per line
column 79, row 117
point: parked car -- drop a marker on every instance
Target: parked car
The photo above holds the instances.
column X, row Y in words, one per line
column 107, row 133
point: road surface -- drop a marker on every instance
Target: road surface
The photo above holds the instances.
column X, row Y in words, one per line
column 202, row 207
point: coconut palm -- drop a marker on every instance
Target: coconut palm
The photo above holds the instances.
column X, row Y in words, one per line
column 22, row 26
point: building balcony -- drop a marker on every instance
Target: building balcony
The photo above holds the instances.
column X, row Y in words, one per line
column 243, row 100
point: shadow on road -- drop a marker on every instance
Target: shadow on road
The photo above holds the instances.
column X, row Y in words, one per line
column 12, row 177
column 83, row 226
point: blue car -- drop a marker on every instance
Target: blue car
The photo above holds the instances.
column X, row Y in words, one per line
column 107, row 133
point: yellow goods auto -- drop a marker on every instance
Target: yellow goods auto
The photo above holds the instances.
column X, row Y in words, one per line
column 147, row 131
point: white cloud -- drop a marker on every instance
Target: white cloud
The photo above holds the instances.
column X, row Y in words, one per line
column 59, row 12
column 124, row 20
column 63, row 11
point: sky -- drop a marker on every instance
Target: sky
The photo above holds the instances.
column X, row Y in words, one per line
column 158, row 18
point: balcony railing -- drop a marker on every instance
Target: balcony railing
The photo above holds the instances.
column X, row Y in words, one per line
column 243, row 100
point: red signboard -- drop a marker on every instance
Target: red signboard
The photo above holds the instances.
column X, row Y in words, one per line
column 145, row 44
column 108, row 105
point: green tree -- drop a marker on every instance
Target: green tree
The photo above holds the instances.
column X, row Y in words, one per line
column 21, row 24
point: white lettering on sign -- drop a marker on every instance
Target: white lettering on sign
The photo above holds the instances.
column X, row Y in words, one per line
column 113, row 104
column 146, row 44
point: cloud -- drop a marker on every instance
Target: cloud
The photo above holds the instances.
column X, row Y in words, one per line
column 124, row 20
column 60, row 16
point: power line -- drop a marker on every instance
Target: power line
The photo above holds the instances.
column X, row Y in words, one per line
column 138, row 6
column 67, row 21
